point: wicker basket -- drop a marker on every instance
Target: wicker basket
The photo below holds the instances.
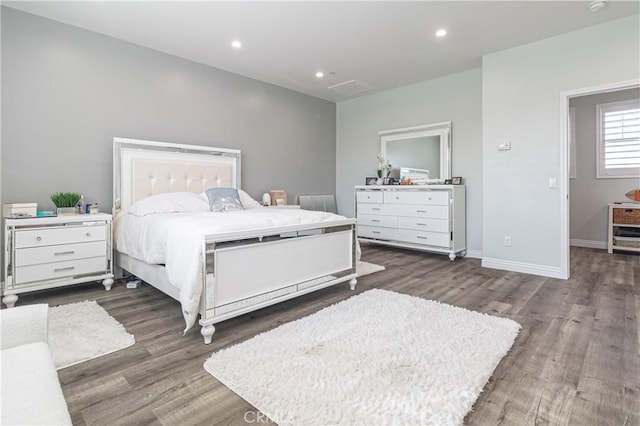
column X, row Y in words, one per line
column 626, row 242
column 626, row 216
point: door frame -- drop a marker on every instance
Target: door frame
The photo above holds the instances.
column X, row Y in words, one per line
column 565, row 212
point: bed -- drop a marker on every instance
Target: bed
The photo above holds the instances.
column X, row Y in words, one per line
column 226, row 269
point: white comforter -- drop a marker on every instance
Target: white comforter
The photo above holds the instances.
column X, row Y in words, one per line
column 175, row 240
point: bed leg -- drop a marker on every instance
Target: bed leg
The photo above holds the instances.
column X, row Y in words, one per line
column 10, row 300
column 353, row 283
column 207, row 332
column 107, row 283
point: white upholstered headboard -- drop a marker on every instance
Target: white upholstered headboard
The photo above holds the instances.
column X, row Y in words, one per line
column 144, row 168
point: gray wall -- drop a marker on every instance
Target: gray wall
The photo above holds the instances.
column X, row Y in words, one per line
column 589, row 196
column 517, row 200
column 67, row 92
column 456, row 98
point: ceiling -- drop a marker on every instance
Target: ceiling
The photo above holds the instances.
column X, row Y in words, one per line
column 383, row 44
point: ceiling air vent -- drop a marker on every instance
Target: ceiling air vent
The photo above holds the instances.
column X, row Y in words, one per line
column 351, row 87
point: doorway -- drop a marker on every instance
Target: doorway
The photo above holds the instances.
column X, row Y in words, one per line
column 565, row 155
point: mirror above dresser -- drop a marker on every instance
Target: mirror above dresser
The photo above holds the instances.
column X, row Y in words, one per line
column 422, row 153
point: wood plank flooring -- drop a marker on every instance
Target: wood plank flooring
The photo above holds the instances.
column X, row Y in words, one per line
column 575, row 362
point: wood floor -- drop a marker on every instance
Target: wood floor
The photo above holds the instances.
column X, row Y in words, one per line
column 576, row 360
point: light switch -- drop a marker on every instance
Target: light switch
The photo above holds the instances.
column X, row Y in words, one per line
column 504, row 146
column 553, row 183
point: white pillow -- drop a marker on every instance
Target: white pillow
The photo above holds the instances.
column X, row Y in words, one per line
column 247, row 201
column 171, row 202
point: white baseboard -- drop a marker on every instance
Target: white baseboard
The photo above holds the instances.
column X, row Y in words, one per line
column 474, row 254
column 589, row 244
column 526, row 268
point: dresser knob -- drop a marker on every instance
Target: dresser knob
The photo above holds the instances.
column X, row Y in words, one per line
column 38, row 238
column 88, row 234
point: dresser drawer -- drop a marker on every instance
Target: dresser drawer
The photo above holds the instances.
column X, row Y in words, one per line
column 423, row 211
column 435, row 198
column 48, row 271
column 62, row 235
column 58, row 253
column 430, row 238
column 367, row 208
column 377, row 220
column 374, row 232
column 426, row 224
column 369, row 196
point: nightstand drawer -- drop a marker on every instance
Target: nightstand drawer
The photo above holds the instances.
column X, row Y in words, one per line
column 58, row 253
column 49, row 271
column 62, row 235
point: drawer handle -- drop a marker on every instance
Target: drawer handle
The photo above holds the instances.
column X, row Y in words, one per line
column 376, row 232
column 422, row 238
column 63, row 253
column 421, row 211
column 376, row 208
column 421, row 224
column 88, row 234
column 397, row 198
column 68, row 268
column 38, row 238
column 375, row 220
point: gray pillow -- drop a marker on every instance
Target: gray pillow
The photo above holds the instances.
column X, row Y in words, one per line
column 223, row 199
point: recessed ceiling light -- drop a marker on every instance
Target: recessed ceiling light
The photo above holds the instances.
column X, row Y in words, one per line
column 236, row 43
column 441, row 32
column 319, row 74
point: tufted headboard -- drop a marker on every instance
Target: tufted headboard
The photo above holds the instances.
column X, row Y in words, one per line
column 144, row 168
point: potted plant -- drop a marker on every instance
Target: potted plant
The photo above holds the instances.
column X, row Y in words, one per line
column 65, row 202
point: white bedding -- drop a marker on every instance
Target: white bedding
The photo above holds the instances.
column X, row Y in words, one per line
column 175, row 240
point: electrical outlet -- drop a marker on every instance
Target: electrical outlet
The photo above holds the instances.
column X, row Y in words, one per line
column 507, row 241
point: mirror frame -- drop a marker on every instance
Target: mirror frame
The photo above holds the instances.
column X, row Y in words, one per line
column 442, row 129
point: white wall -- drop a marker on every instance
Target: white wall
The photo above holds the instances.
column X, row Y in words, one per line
column 521, row 103
column 589, row 196
column 456, row 98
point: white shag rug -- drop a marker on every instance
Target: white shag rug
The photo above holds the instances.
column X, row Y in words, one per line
column 376, row 358
column 366, row 268
column 82, row 331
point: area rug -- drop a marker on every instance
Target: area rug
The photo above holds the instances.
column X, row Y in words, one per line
column 366, row 268
column 376, row 358
column 82, row 331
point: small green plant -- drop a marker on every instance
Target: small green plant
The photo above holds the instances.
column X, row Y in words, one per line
column 65, row 199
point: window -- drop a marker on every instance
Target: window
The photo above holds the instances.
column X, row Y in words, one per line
column 618, row 139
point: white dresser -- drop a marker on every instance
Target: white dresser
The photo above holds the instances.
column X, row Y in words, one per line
column 430, row 217
column 50, row 252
